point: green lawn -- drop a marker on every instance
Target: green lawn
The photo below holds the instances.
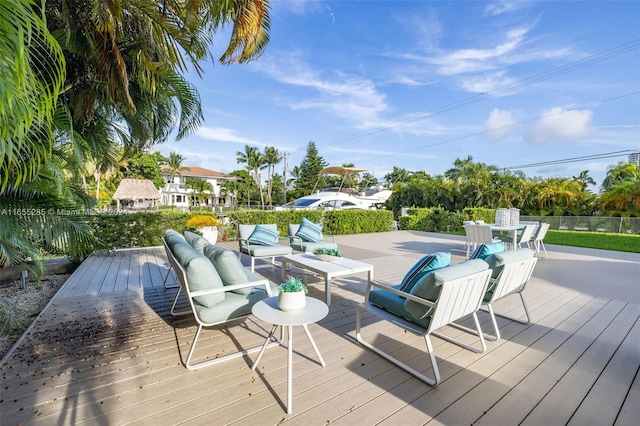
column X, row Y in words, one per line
column 597, row 240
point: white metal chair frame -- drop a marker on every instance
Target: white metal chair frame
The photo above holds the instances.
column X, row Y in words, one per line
column 512, row 279
column 457, row 299
column 537, row 239
column 184, row 287
column 478, row 234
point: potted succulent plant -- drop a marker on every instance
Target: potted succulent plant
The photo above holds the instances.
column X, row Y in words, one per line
column 207, row 226
column 327, row 254
column 293, row 294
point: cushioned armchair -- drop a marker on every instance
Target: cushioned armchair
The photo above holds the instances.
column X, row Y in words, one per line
column 297, row 242
column 436, row 299
column 262, row 241
column 218, row 287
column 510, row 273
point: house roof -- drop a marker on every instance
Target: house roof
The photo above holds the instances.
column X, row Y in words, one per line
column 195, row 171
column 132, row 189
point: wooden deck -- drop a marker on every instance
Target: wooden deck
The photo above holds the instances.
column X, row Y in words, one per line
column 106, row 351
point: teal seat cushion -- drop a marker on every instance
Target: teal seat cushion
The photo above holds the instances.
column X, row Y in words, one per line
column 395, row 304
column 428, row 263
column 200, row 274
column 266, row 251
column 228, row 266
column 235, row 305
column 484, row 250
column 196, row 241
column 309, row 231
column 430, row 285
column 264, row 235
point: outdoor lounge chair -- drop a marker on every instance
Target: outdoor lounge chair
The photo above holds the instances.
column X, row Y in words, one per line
column 260, row 242
column 219, row 290
column 307, row 245
column 511, row 270
column 456, row 291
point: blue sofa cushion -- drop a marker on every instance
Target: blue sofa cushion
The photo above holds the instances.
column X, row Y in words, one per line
column 200, row 273
column 428, row 263
column 263, row 235
column 430, row 285
column 395, row 304
column 228, row 266
column 309, row 231
column 484, row 250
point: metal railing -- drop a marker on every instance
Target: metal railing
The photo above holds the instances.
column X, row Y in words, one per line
column 623, row 225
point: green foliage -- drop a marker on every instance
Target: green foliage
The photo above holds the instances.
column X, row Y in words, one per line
column 293, row 285
column 479, row 213
column 434, row 219
column 328, row 251
column 335, row 222
column 12, row 318
column 309, row 174
column 140, row 229
column 145, row 166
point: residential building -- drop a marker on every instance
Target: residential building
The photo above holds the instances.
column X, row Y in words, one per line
column 635, row 158
column 176, row 194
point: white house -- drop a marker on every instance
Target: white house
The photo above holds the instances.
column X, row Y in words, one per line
column 174, row 192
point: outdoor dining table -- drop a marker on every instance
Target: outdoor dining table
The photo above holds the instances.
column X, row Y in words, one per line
column 511, row 230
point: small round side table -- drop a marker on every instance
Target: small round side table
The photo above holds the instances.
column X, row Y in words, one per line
column 267, row 310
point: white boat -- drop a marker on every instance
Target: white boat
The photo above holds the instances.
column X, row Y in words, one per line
column 339, row 198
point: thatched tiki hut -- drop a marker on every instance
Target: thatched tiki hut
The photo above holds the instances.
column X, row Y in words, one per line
column 138, row 193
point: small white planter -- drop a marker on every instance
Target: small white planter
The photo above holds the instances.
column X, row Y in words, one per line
column 210, row 233
column 292, row 301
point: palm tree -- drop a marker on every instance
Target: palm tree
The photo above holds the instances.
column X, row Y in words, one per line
column 254, row 160
column 271, row 157
column 175, row 167
column 200, row 187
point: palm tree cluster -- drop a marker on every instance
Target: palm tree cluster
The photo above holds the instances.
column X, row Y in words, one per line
column 471, row 184
column 256, row 161
column 91, row 84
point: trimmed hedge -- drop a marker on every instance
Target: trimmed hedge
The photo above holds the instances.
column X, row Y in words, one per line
column 434, row 219
column 145, row 229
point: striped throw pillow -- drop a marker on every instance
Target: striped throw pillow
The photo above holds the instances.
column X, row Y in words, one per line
column 309, row 231
column 485, row 250
column 428, row 263
column 264, row 236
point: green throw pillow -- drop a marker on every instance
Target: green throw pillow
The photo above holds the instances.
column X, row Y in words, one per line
column 228, row 266
column 200, row 273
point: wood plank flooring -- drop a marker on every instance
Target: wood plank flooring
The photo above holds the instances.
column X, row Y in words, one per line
column 107, row 351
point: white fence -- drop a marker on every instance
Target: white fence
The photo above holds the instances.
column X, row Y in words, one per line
column 625, row 225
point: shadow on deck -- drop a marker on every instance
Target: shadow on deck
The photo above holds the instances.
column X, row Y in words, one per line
column 107, row 351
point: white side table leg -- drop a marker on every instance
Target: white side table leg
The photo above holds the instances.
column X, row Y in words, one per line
column 289, row 369
column 313, row 344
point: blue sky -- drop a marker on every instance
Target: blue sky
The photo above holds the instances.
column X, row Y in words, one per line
column 417, row 84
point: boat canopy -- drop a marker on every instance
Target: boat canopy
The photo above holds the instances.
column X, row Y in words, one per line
column 343, row 171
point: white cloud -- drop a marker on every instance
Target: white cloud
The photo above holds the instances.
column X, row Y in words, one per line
column 348, row 97
column 504, row 6
column 477, row 60
column 558, row 125
column 499, row 123
column 225, row 135
column 486, row 83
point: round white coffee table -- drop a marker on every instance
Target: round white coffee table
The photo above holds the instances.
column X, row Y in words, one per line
column 267, row 310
